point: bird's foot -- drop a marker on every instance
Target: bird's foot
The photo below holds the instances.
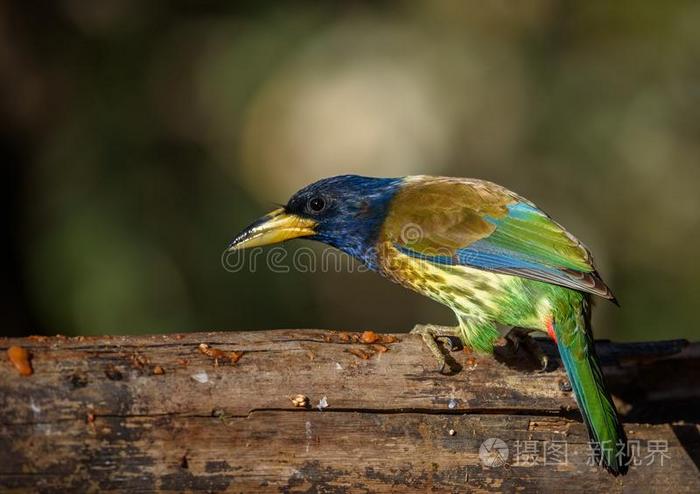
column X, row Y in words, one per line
column 448, row 335
column 520, row 337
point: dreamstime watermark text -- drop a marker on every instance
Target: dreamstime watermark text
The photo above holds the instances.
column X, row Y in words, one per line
column 393, row 255
column 278, row 259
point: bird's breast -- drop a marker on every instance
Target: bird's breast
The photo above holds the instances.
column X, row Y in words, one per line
column 465, row 290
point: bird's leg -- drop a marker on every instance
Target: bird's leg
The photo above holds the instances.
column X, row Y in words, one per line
column 520, row 336
column 430, row 333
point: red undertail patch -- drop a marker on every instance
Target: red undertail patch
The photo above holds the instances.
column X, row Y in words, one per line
column 550, row 328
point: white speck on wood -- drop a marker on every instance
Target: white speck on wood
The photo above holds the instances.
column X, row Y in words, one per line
column 201, row 377
column 307, row 428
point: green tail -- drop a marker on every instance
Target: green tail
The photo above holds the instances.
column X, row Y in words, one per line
column 575, row 342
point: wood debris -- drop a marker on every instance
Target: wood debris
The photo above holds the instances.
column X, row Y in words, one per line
column 359, row 353
column 300, row 401
column 369, row 337
column 21, row 359
column 112, row 373
column 378, row 343
column 217, row 354
column 37, row 337
column 138, row 361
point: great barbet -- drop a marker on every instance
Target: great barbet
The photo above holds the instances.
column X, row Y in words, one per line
column 492, row 256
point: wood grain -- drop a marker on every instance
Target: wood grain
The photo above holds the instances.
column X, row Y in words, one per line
column 160, row 413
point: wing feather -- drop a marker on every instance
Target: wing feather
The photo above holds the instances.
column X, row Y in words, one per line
column 486, row 226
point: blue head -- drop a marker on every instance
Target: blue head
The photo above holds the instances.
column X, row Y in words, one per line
column 345, row 212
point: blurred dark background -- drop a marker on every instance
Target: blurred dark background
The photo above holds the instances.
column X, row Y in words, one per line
column 139, row 136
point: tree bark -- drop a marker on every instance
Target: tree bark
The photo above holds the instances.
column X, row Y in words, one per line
column 219, row 412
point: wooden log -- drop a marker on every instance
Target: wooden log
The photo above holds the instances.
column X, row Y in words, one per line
column 166, row 413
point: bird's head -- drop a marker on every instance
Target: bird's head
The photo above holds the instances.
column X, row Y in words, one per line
column 346, row 212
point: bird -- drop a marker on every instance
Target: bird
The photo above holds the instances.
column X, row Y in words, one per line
column 489, row 254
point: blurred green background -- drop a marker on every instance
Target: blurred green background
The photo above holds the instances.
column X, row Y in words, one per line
column 139, row 136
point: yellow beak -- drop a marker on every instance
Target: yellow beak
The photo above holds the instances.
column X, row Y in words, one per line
column 273, row 228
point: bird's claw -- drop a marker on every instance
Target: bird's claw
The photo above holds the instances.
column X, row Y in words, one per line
column 446, row 342
column 518, row 337
column 441, row 365
column 430, row 335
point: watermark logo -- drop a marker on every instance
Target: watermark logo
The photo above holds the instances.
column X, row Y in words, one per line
column 411, row 233
column 547, row 452
column 493, row 452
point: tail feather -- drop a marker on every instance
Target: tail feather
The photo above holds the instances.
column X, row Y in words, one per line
column 575, row 342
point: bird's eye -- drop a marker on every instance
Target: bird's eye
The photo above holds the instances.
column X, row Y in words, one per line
column 316, row 204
